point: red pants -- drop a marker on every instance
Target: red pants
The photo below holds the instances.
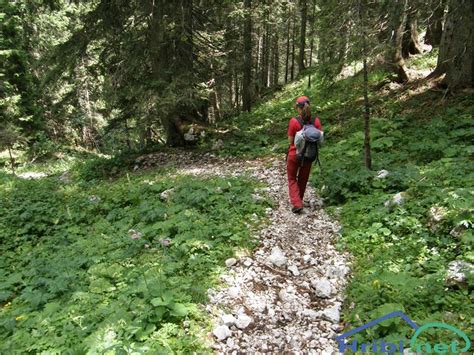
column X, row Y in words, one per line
column 297, row 179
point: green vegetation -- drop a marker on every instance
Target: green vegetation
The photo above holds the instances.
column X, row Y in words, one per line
column 86, row 266
column 93, row 259
column 401, row 252
column 424, row 140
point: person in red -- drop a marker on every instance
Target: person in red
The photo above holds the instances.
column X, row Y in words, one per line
column 298, row 174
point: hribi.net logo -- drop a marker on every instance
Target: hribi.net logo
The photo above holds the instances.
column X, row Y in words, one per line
column 415, row 345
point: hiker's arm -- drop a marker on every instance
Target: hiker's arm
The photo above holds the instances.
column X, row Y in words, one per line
column 292, row 129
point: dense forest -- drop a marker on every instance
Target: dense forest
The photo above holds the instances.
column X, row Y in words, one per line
column 112, row 75
column 108, row 106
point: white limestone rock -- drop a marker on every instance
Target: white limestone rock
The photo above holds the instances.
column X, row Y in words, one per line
column 332, row 314
column 458, row 271
column 294, row 270
column 277, row 257
column 228, row 319
column 230, row 262
column 382, row 174
column 222, row 332
column 322, row 288
column 243, row 321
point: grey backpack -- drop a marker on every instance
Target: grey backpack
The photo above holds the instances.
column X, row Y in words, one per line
column 307, row 142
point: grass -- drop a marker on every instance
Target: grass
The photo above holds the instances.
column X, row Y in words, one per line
column 424, row 139
column 73, row 278
column 86, row 266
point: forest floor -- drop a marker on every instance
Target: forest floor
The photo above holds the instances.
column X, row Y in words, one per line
column 184, row 251
column 286, row 295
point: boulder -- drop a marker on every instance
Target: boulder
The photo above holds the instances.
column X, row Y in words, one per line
column 382, row 174
column 437, row 213
column 458, row 271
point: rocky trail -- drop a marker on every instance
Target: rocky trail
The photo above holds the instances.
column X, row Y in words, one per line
column 287, row 296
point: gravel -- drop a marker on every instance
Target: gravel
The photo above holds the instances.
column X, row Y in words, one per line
column 287, row 296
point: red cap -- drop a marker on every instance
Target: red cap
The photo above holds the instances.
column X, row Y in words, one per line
column 302, row 100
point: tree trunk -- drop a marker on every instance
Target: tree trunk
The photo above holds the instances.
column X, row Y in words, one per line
column 266, row 54
column 312, row 41
column 456, row 52
column 237, row 91
column 397, row 21
column 258, row 62
column 410, row 44
column 434, row 30
column 287, row 57
column 170, row 50
column 247, row 67
column 276, row 60
column 301, row 58
column 362, row 9
column 231, row 89
column 293, row 35
column 367, row 153
column 264, row 59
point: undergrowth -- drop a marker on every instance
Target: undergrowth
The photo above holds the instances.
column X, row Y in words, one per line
column 110, row 266
column 402, row 252
column 74, row 279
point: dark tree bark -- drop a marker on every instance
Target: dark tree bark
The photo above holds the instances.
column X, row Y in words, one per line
column 410, row 44
column 231, row 90
column 434, row 30
column 247, row 67
column 301, row 57
column 397, row 21
column 237, row 91
column 367, row 153
column 456, row 52
column 171, row 52
column 362, row 10
column 293, row 35
column 312, row 40
column 265, row 56
column 276, row 60
column 287, row 57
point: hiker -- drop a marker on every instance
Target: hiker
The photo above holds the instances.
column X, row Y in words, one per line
column 298, row 163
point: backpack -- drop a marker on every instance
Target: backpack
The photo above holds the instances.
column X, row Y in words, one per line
column 307, row 141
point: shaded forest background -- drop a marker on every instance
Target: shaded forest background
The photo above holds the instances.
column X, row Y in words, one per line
column 115, row 75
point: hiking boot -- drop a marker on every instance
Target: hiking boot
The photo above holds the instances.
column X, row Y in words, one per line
column 297, row 209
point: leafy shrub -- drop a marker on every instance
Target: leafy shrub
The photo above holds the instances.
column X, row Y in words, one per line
column 111, row 266
column 103, row 167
